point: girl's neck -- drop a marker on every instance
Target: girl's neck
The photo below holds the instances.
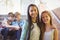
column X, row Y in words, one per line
column 48, row 27
column 33, row 20
column 18, row 20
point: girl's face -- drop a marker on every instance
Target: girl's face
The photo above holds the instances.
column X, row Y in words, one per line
column 10, row 17
column 33, row 12
column 17, row 17
column 45, row 18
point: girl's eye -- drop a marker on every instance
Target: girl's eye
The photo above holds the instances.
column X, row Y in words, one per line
column 34, row 10
column 42, row 17
column 46, row 16
column 31, row 10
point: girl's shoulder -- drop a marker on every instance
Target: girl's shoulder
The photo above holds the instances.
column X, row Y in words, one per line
column 53, row 27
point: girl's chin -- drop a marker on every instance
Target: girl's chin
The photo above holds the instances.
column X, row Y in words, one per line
column 33, row 17
column 46, row 22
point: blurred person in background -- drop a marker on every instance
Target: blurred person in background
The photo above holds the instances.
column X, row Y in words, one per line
column 23, row 26
column 9, row 29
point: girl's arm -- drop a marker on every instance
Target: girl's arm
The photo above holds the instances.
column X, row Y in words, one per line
column 56, row 34
column 24, row 31
column 5, row 24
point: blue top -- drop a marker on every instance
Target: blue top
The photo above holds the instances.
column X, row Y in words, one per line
column 24, row 25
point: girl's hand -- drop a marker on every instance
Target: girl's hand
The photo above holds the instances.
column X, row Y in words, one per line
column 1, row 26
column 16, row 28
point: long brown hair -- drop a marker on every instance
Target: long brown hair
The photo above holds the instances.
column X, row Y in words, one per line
column 43, row 24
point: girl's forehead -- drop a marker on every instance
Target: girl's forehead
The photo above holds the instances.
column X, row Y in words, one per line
column 45, row 14
column 33, row 7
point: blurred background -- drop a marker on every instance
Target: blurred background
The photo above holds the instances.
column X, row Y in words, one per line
column 53, row 6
